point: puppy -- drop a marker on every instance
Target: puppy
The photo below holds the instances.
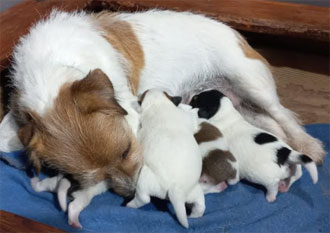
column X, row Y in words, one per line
column 172, row 161
column 263, row 158
column 219, row 165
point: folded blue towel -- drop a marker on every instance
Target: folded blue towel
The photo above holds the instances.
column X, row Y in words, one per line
column 240, row 208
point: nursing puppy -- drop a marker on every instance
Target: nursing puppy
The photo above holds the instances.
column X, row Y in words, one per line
column 219, row 165
column 172, row 161
column 262, row 158
column 83, row 124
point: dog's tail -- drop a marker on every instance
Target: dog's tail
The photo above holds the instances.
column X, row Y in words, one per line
column 178, row 201
column 298, row 158
column 62, row 193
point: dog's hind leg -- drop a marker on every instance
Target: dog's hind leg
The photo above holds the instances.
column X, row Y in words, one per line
column 147, row 186
column 252, row 80
column 197, row 198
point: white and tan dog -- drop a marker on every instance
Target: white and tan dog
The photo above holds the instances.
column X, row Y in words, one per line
column 83, row 124
column 262, row 158
column 172, row 161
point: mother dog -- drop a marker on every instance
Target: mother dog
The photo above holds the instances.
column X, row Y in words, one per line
column 83, row 124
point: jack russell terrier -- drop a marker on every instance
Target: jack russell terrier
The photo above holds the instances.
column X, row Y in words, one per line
column 172, row 161
column 262, row 158
column 71, row 116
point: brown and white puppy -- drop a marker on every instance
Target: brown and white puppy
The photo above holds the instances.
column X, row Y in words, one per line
column 219, row 165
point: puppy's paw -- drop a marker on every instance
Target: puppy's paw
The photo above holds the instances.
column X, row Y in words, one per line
column 197, row 212
column 222, row 186
column 283, row 186
column 73, row 213
column 132, row 204
column 35, row 183
column 270, row 198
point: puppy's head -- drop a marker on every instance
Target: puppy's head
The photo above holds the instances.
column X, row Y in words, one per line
column 153, row 96
column 85, row 134
column 208, row 103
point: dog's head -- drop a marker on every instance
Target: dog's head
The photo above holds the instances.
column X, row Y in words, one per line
column 85, row 134
column 208, row 103
column 152, row 96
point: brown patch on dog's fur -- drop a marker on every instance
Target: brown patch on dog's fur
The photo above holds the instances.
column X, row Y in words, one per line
column 85, row 135
column 217, row 167
column 249, row 51
column 207, row 133
column 122, row 37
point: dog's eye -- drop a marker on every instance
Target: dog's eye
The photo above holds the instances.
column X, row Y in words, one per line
column 126, row 152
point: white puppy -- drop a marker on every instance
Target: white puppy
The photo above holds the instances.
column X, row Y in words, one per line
column 262, row 158
column 219, row 165
column 172, row 161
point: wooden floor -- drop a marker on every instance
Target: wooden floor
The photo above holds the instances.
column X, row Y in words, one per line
column 12, row 223
column 303, row 83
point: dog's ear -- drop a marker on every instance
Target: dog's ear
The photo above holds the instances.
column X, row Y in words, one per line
column 95, row 93
column 35, row 161
column 176, row 100
column 202, row 113
column 142, row 97
column 27, row 131
column 25, row 134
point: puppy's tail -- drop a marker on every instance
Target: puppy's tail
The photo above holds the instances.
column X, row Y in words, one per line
column 297, row 158
column 177, row 199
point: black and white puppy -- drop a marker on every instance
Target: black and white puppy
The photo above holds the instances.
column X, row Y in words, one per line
column 263, row 158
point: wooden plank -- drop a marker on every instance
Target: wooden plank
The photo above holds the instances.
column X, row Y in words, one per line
column 12, row 223
column 305, row 93
column 278, row 18
column 16, row 21
column 254, row 15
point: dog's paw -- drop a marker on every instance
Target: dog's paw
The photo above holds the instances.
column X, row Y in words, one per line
column 35, row 183
column 132, row 204
column 310, row 146
column 73, row 213
column 270, row 198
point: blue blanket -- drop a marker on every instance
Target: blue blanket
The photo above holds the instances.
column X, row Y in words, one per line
column 240, row 208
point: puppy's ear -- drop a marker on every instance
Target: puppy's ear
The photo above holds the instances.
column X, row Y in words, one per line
column 142, row 97
column 176, row 100
column 202, row 113
column 95, row 93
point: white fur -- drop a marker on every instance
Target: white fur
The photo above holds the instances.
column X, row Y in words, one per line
column 81, row 198
column 8, row 134
column 257, row 163
column 181, row 52
column 172, row 161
